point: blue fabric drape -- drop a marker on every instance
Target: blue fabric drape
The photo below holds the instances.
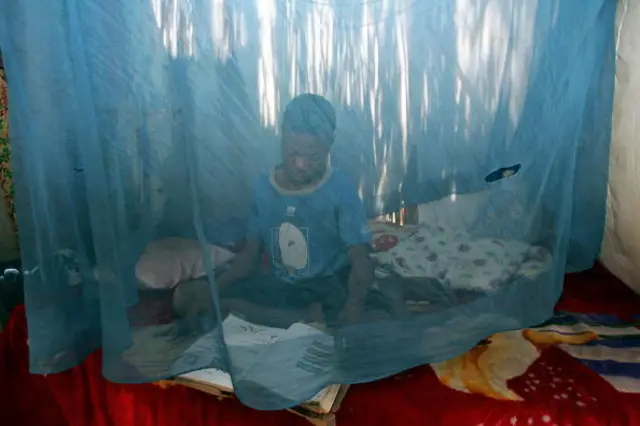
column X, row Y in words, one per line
column 137, row 121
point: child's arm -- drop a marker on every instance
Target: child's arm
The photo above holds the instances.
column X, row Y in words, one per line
column 242, row 265
column 361, row 274
column 247, row 260
column 354, row 231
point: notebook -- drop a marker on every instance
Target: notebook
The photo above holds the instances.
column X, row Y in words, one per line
column 302, row 354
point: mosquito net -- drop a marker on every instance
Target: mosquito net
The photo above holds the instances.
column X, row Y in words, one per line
column 302, row 192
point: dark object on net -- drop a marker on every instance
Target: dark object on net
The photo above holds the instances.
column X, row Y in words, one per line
column 502, row 173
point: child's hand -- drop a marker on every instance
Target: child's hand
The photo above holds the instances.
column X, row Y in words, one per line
column 351, row 313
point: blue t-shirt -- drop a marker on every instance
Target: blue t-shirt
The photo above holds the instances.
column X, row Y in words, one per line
column 306, row 233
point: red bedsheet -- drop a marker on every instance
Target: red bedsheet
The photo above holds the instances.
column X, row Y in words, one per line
column 557, row 389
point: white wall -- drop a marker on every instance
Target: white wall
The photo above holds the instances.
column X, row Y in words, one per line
column 621, row 245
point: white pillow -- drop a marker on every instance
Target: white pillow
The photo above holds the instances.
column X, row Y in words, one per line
column 167, row 262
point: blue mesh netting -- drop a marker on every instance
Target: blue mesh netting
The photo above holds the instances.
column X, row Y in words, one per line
column 172, row 213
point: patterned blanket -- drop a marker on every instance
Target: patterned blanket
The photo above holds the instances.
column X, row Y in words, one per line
column 454, row 258
column 576, row 369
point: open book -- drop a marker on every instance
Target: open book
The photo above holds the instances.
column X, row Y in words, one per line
column 298, row 355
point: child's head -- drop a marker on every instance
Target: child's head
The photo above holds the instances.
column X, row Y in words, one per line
column 308, row 127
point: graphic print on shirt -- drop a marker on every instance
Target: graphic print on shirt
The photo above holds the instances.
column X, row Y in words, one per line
column 290, row 249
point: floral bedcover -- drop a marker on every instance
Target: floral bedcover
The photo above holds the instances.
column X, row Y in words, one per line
column 456, row 259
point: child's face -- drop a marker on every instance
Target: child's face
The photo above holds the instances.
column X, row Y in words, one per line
column 304, row 157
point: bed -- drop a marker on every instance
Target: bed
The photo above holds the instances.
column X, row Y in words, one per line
column 558, row 380
column 419, row 269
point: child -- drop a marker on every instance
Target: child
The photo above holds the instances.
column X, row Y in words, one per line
column 309, row 219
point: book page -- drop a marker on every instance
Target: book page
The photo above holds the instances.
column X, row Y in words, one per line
column 299, row 356
column 238, row 332
column 211, row 376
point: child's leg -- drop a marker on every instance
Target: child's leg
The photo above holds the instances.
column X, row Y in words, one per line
column 328, row 296
column 193, row 298
column 334, row 294
column 263, row 315
column 315, row 314
column 264, row 300
column 194, row 305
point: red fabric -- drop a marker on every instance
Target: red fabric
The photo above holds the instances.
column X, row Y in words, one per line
column 418, row 398
column 81, row 397
column 562, row 391
column 567, row 392
column 597, row 291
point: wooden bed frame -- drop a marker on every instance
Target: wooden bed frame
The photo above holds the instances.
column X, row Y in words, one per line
column 311, row 413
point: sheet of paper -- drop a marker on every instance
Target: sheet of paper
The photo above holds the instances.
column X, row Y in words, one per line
column 297, row 356
column 211, row 376
column 301, row 358
column 238, row 332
